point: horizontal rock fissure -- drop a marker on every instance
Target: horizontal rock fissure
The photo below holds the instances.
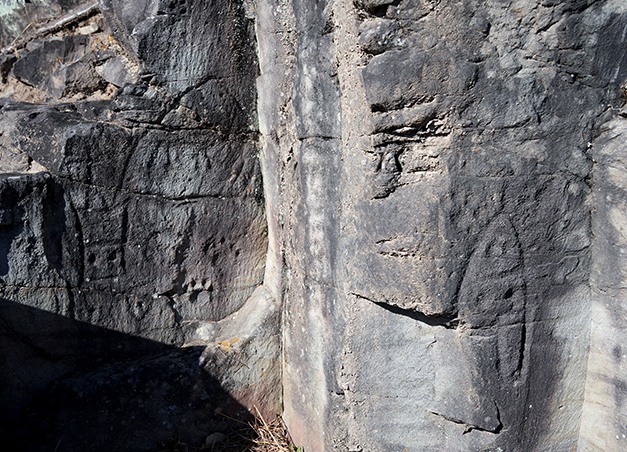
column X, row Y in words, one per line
column 319, row 137
column 468, row 427
column 448, row 322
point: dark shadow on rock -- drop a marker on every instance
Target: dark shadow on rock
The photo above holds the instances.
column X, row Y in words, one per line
column 70, row 386
column 54, row 225
column 9, row 229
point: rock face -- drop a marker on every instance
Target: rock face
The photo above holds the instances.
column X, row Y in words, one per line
column 441, row 218
column 17, row 16
column 437, row 159
column 142, row 243
column 603, row 419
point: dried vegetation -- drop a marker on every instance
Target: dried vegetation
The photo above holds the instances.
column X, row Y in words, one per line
column 258, row 436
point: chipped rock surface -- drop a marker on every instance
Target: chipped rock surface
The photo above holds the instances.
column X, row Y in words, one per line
column 17, row 16
column 133, row 233
column 444, row 286
column 403, row 219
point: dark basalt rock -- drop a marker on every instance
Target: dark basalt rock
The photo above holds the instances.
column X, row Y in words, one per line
column 44, row 57
column 18, row 17
column 147, row 228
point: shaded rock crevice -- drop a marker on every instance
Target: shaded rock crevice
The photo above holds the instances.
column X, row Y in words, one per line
column 446, row 321
column 469, row 427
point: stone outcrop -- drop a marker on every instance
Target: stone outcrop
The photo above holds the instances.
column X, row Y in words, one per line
column 18, row 17
column 144, row 240
column 603, row 418
column 438, row 165
column 434, row 255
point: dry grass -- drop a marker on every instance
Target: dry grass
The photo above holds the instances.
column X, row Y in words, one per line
column 271, row 437
column 258, row 436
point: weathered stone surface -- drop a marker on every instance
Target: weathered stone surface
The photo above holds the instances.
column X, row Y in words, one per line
column 17, row 16
column 6, row 63
column 603, row 420
column 40, row 347
column 441, row 180
column 176, row 164
column 438, row 235
column 181, row 45
column 378, row 35
column 373, row 5
column 65, row 60
column 60, row 65
column 141, row 391
column 118, row 71
column 136, row 399
column 146, row 228
column 66, row 66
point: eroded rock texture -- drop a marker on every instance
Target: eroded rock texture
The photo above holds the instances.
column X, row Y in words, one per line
column 437, row 164
column 17, row 16
column 603, row 422
column 145, row 233
column 443, row 185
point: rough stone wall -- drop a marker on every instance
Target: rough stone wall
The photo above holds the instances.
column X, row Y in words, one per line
column 145, row 233
column 603, row 424
column 18, row 16
column 443, row 189
column 437, row 161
